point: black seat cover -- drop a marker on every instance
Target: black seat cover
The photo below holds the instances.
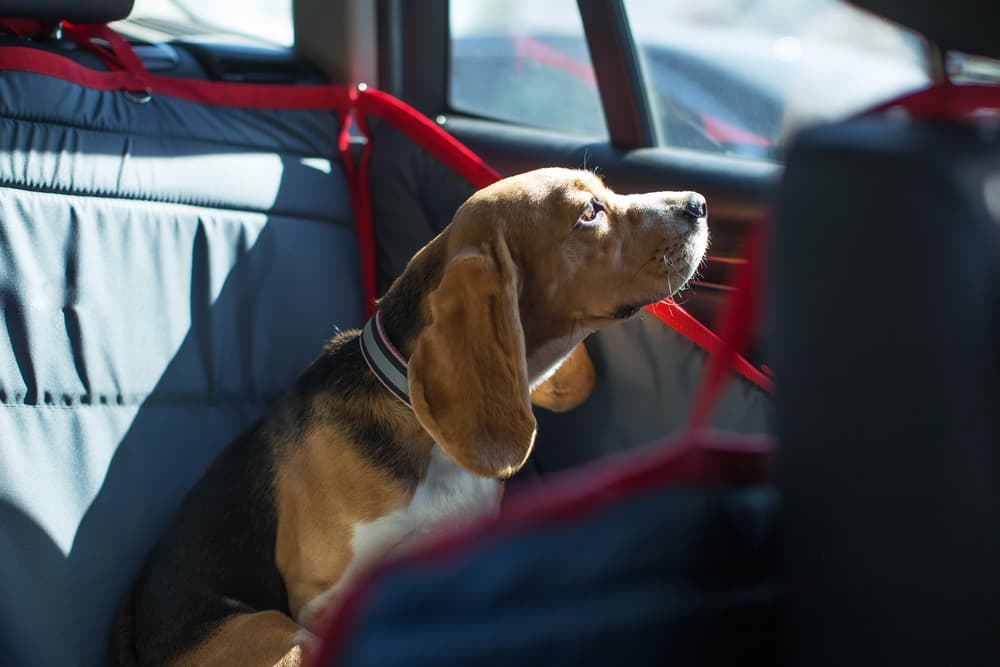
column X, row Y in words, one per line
column 166, row 270
column 886, row 299
column 91, row 11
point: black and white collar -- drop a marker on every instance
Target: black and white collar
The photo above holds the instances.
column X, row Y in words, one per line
column 384, row 360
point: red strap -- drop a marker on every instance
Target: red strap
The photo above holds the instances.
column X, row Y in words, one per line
column 947, row 101
column 428, row 135
column 737, row 325
column 108, row 44
column 364, row 223
column 98, row 38
column 222, row 93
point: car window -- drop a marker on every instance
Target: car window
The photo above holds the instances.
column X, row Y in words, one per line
column 526, row 62
column 729, row 77
column 266, row 20
column 739, row 77
column 965, row 68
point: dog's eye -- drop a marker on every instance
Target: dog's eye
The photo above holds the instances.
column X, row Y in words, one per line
column 590, row 214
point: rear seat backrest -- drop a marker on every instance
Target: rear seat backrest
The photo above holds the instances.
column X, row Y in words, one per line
column 166, row 270
column 889, row 420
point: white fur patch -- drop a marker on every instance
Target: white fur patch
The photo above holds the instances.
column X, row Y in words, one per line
column 446, row 497
column 306, row 640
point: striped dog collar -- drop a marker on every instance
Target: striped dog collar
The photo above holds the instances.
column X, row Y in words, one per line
column 384, row 359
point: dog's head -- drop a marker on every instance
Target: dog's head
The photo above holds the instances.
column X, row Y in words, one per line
column 531, row 265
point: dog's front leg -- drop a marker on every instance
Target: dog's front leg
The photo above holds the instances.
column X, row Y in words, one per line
column 263, row 639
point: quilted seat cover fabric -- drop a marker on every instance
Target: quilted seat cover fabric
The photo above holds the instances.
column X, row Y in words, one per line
column 166, row 270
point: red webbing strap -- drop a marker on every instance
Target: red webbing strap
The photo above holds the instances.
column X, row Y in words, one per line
column 947, row 101
column 113, row 49
column 683, row 323
column 364, row 224
column 737, row 325
column 126, row 74
column 96, row 37
column 428, row 135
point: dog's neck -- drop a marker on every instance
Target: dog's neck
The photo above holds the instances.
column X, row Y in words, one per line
column 545, row 358
column 385, row 361
column 402, row 310
column 403, row 315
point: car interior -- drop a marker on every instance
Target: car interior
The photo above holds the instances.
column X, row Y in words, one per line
column 189, row 211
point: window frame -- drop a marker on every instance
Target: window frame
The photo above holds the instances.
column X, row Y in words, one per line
column 617, row 67
column 405, row 30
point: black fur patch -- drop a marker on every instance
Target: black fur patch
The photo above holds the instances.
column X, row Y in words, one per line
column 342, row 374
column 400, row 309
column 217, row 558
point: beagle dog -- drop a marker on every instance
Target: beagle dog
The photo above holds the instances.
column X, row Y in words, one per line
column 410, row 424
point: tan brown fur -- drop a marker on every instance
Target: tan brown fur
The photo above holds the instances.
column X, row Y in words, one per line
column 468, row 379
column 313, row 547
column 264, row 639
column 570, row 385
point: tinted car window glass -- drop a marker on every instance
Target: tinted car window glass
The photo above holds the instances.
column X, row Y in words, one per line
column 525, row 62
column 265, row 20
column 738, row 77
column 965, row 68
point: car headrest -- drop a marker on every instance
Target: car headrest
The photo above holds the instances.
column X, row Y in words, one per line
column 963, row 25
column 91, row 11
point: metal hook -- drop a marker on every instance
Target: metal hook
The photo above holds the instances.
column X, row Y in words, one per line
column 139, row 96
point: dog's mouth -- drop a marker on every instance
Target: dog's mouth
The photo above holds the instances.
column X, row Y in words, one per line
column 674, row 283
column 682, row 264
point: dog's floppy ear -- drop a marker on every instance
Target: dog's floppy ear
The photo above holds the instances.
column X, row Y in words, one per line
column 570, row 385
column 468, row 374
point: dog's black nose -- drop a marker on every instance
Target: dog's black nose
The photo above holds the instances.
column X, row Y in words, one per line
column 696, row 207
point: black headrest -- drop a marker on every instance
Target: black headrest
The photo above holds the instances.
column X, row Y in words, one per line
column 886, row 317
column 971, row 26
column 74, row 11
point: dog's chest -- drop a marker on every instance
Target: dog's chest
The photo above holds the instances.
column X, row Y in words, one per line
column 447, row 495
